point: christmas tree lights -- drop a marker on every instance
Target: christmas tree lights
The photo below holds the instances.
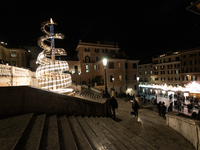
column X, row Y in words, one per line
column 52, row 74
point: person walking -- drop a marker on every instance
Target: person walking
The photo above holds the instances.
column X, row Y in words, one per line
column 113, row 105
column 135, row 107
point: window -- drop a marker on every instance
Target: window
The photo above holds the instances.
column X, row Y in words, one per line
column 87, row 59
column 162, row 72
column 170, row 78
column 193, row 70
column 151, row 72
column 176, row 65
column 169, row 66
column 126, row 65
column 111, row 65
column 120, row 78
column 97, row 58
column 87, row 68
column 177, row 78
column 134, row 65
column 184, row 56
column 135, row 87
column 98, row 67
column 135, row 77
column 185, row 78
column 184, row 70
column 119, row 65
column 193, row 62
column 96, row 50
column 162, row 67
column 176, row 71
column 156, row 67
column 162, row 78
column 95, row 67
column 184, row 63
column 104, row 50
column 111, row 78
column 156, row 72
column 156, row 79
column 140, row 73
column 87, row 50
column 13, row 54
column 193, row 78
column 145, row 72
column 76, row 69
column 169, row 59
column 170, row 72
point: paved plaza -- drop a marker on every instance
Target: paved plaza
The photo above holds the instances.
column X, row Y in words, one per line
column 151, row 127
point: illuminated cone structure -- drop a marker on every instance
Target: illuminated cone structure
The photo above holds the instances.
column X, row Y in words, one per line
column 52, row 74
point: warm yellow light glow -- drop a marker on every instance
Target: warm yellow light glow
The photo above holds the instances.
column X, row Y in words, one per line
column 104, row 61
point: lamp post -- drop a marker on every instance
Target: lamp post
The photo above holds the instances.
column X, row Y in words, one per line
column 80, row 77
column 138, row 78
column 106, row 91
column 113, row 83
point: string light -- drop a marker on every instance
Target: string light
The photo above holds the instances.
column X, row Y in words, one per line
column 193, row 87
column 52, row 73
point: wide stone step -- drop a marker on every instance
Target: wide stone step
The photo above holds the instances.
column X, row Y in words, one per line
column 50, row 137
column 118, row 135
column 32, row 135
column 95, row 143
column 113, row 139
column 105, row 141
column 81, row 139
column 67, row 141
column 11, row 130
column 132, row 137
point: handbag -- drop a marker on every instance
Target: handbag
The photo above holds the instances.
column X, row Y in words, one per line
column 132, row 113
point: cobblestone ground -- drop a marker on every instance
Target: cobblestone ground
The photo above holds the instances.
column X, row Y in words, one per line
column 151, row 127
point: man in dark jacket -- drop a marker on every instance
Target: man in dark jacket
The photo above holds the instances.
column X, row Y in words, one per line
column 113, row 105
column 135, row 107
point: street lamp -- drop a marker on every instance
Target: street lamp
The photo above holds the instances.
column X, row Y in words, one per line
column 106, row 91
column 113, row 83
column 138, row 78
column 80, row 77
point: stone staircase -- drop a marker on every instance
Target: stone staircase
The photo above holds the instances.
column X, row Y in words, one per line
column 32, row 132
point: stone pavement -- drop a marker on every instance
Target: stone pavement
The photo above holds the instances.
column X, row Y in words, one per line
column 151, row 127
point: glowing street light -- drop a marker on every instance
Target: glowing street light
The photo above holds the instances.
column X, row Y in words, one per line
column 106, row 95
column 113, row 83
column 138, row 78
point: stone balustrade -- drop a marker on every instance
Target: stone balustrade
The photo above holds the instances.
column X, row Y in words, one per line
column 186, row 126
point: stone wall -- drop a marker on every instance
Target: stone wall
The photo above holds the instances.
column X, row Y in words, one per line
column 187, row 127
column 17, row 100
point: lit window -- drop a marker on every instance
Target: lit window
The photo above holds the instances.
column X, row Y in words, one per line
column 95, row 67
column 87, row 68
column 120, row 78
column 119, row 65
column 13, row 54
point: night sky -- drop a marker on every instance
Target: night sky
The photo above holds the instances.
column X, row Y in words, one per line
column 141, row 28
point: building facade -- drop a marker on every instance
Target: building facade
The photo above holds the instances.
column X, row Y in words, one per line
column 171, row 72
column 120, row 72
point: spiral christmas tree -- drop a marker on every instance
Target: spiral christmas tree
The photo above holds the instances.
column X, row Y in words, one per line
column 52, row 74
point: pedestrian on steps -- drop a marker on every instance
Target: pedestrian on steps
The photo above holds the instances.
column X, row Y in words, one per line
column 135, row 107
column 113, row 105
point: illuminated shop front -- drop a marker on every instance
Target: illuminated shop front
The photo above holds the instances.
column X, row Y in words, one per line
column 191, row 89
